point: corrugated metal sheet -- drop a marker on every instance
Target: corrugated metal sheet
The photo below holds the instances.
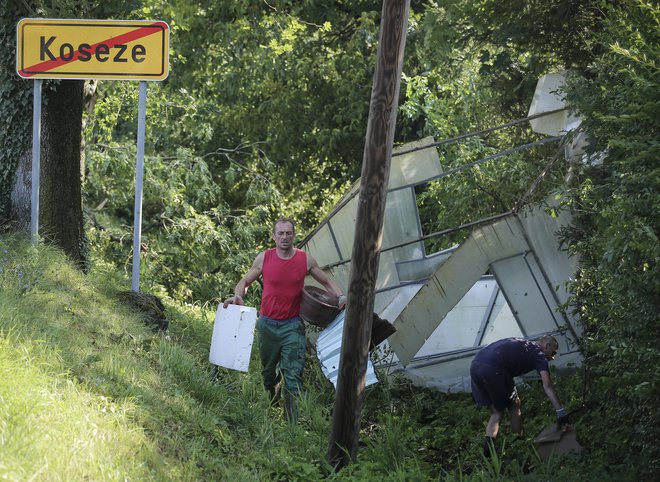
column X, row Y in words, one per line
column 328, row 350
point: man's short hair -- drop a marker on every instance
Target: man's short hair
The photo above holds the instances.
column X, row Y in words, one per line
column 549, row 339
column 284, row 220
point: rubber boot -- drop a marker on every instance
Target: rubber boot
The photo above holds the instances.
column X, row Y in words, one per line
column 290, row 408
column 489, row 447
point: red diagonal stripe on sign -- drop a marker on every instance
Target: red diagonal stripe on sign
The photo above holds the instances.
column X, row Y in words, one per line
column 124, row 38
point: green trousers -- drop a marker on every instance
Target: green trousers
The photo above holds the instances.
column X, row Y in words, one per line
column 282, row 346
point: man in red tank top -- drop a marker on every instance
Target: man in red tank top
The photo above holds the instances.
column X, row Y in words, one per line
column 282, row 341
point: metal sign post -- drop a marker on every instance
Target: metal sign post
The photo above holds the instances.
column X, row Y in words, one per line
column 92, row 49
column 36, row 160
column 139, row 177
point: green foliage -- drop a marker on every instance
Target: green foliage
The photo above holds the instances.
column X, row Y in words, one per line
column 147, row 399
column 462, row 75
column 616, row 233
column 250, row 125
column 48, row 417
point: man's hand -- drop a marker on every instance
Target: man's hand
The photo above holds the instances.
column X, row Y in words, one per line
column 234, row 300
column 341, row 302
column 562, row 419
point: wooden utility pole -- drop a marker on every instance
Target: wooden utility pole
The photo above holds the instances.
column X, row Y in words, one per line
column 367, row 242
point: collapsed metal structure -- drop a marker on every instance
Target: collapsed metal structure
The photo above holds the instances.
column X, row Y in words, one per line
column 508, row 278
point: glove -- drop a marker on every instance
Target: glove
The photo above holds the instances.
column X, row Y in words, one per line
column 562, row 419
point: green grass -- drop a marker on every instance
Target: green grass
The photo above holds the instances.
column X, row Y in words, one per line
column 89, row 392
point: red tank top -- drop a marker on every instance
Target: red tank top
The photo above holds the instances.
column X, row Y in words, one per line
column 284, row 280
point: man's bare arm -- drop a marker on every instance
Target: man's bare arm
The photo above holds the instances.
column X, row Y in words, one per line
column 242, row 286
column 549, row 389
column 328, row 283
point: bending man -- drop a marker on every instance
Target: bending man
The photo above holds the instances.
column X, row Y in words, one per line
column 492, row 372
column 282, row 341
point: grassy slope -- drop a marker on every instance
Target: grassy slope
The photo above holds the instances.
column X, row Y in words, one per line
column 87, row 391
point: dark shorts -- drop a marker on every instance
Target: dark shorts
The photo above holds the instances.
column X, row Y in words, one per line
column 492, row 386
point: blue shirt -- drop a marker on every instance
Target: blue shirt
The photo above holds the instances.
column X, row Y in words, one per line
column 515, row 356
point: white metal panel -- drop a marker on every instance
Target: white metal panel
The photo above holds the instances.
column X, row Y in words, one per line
column 446, row 374
column 530, row 299
column 405, row 169
column 341, row 274
column 401, row 225
column 343, row 226
column 328, row 350
column 547, row 97
column 522, row 251
column 542, row 234
column 433, row 302
column 503, row 324
column 233, row 335
column 322, row 247
column 420, row 269
column 389, row 304
column 387, row 274
column 414, row 167
column 459, row 328
column 497, row 245
column 501, row 239
column 384, row 298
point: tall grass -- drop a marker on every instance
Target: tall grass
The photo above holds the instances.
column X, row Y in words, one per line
column 89, row 392
column 51, row 426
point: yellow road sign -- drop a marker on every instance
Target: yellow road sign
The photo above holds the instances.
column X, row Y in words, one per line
column 92, row 49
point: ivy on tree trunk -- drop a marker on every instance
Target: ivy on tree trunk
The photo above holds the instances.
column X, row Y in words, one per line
column 60, row 210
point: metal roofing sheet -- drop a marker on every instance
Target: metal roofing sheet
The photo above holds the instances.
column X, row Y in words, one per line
column 328, row 350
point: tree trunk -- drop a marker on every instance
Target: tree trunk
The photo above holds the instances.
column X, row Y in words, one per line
column 20, row 197
column 60, row 199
